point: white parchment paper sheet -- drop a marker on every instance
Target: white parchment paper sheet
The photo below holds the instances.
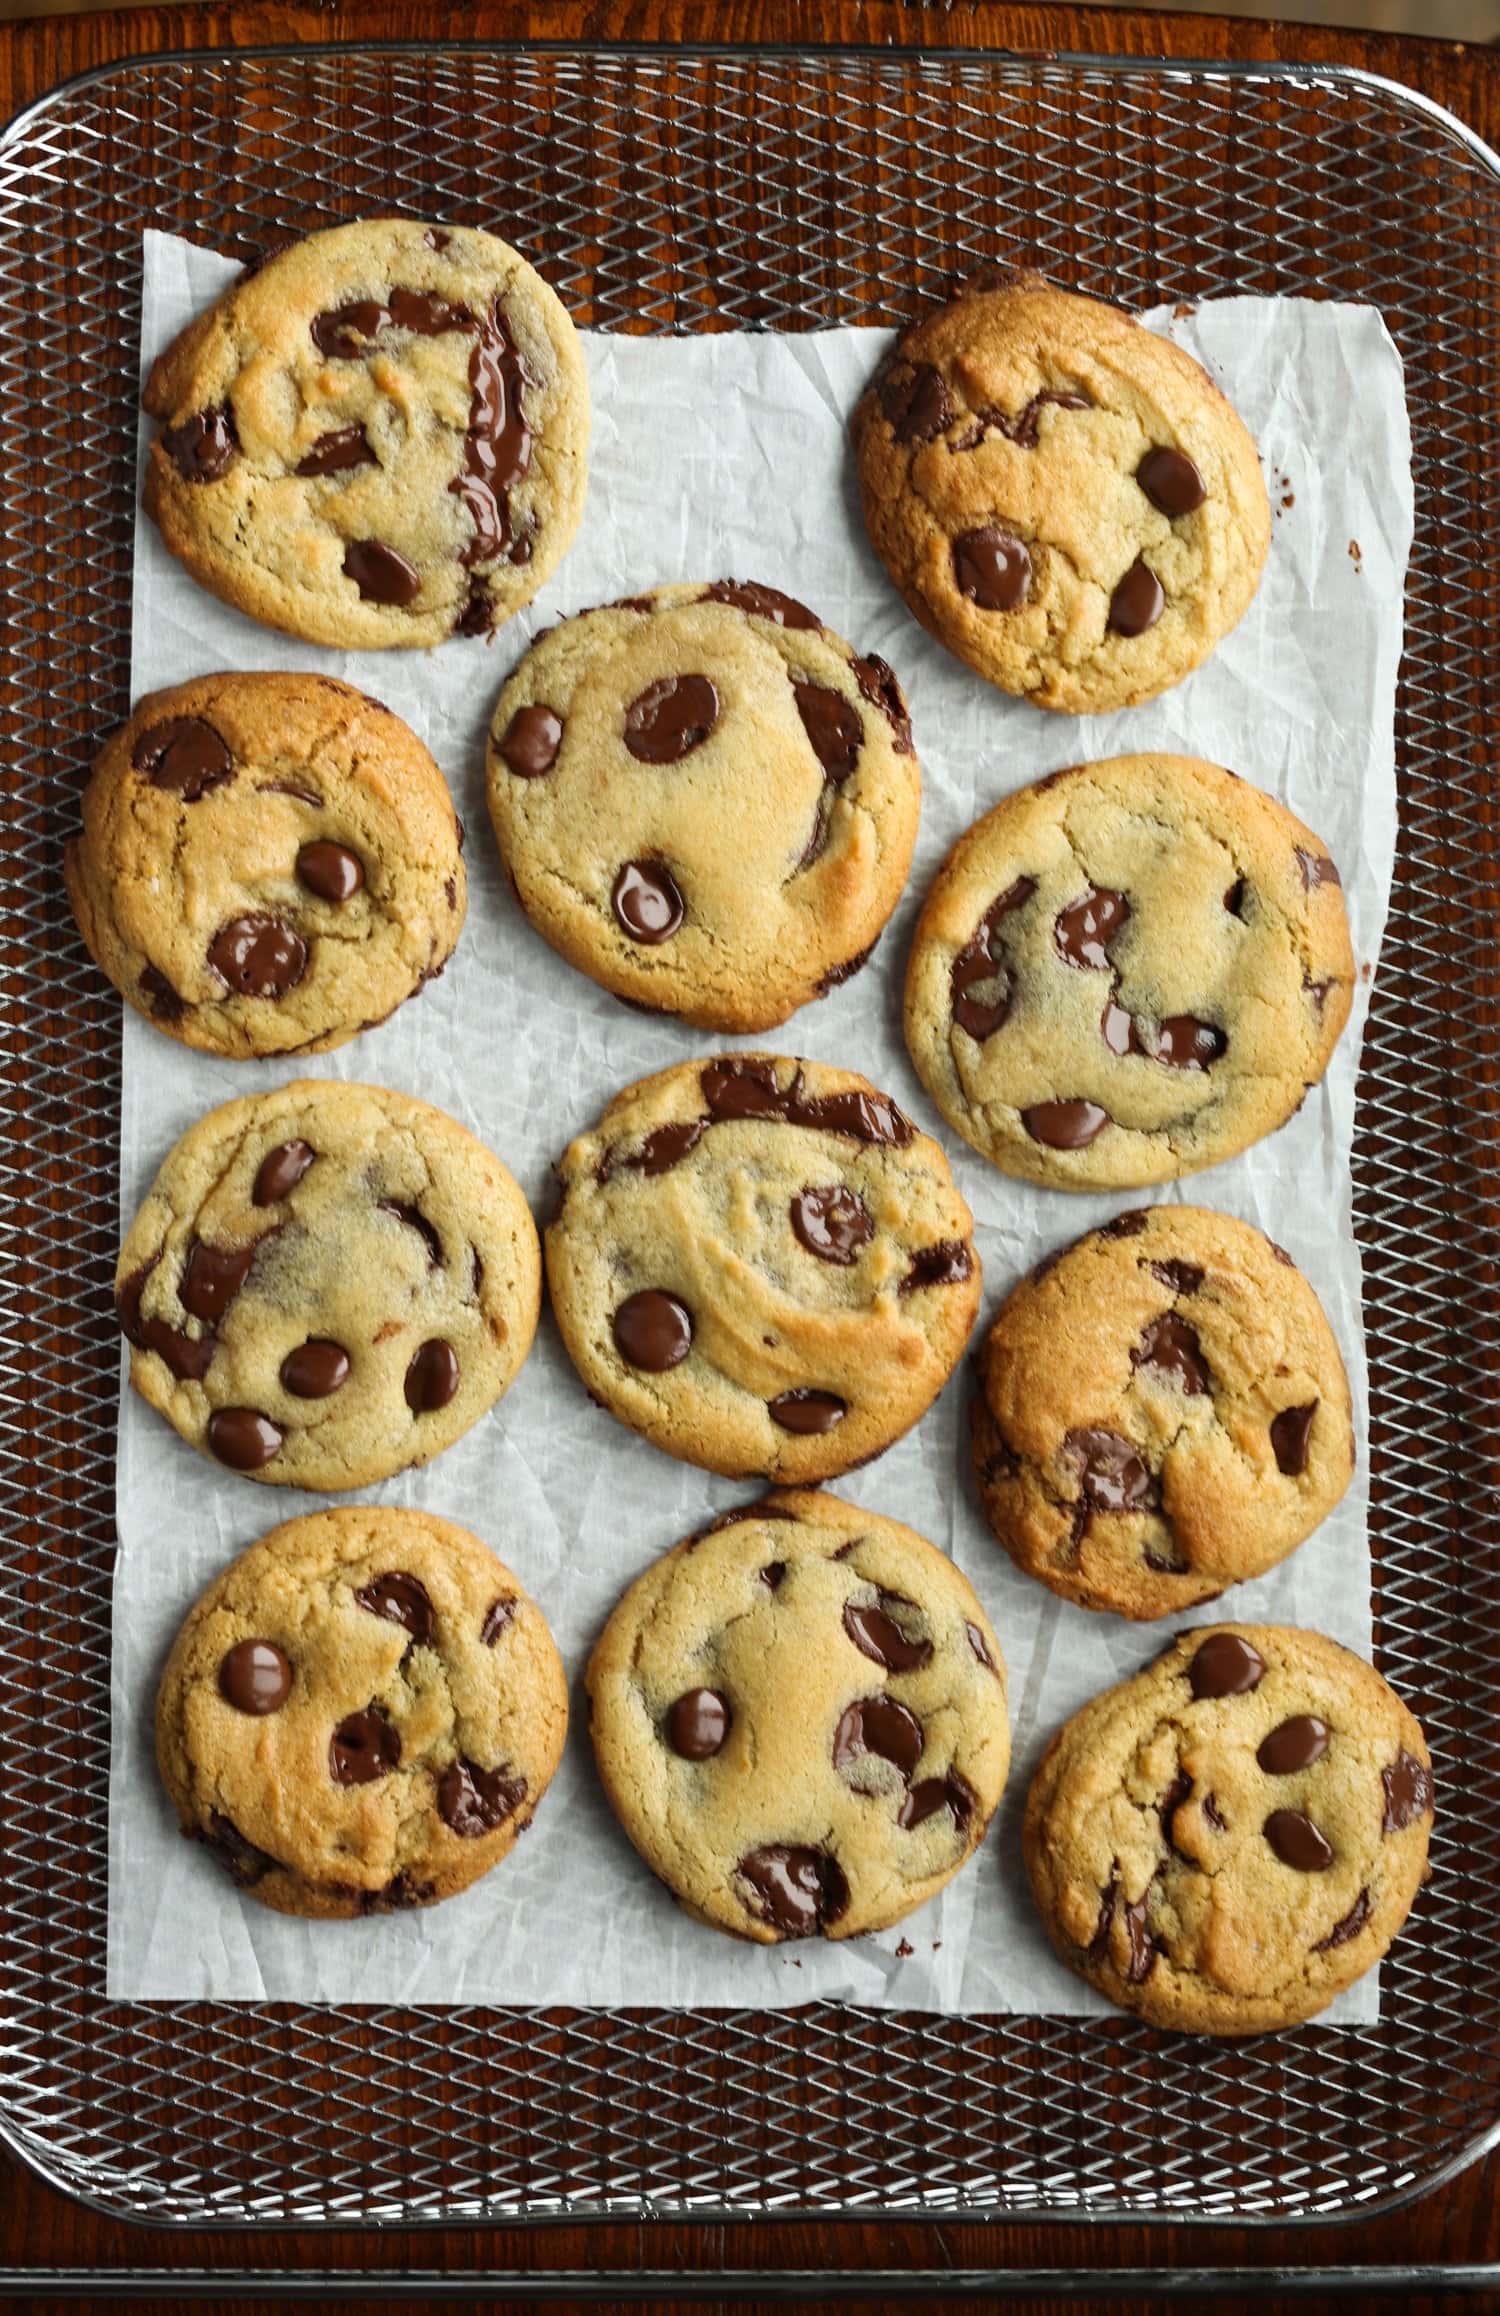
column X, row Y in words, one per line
column 714, row 456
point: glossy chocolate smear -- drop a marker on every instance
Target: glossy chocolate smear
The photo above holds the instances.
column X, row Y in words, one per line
column 497, row 446
column 1348, row 1926
column 344, row 332
column 1111, row 1475
column 662, row 1149
column 807, row 1412
column 532, row 739
column 835, row 728
column 795, row 1890
column 916, row 402
column 255, row 1677
column 280, row 1171
column 184, row 755
column 336, row 451
column 1141, row 1958
column 1183, row 1278
column 415, row 1219
column 381, row 573
column 1171, row 482
column 203, row 446
column 1316, row 869
column 935, row 1793
column 400, row 1599
column 875, row 1632
column 333, row 872
column 877, row 682
column 500, row 1614
column 1137, row 602
column 670, row 718
column 748, row 1089
column 946, row 1264
column 432, row 1377
column 188, row 1360
column 878, row 1725
column 162, row 998
column 1185, row 1044
column 1298, row 1842
column 1022, row 429
column 363, row 1747
column 979, row 963
column 1293, row 1745
column 1085, row 928
column 212, row 1277
column 1290, row 1433
column 258, row 956
column 698, row 1724
column 1170, row 1348
column 647, row 902
column 764, row 602
column 1065, row 1125
column 832, row 1223
column 240, row 1858
column 1408, row 1792
column 653, row 1330
column 1225, row 1666
column 992, row 569
column 315, row 1369
column 243, row 1438
column 980, row 1647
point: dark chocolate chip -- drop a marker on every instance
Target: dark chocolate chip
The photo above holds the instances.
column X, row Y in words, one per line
column 412, row 1218
column 1141, row 1960
column 498, row 1617
column 1225, row 1666
column 653, row 1330
column 771, row 1575
column 477, row 616
column 875, row 1632
column 1234, row 899
column 933, row 1794
column 1171, row 482
column 1290, row 1433
column 1293, row 1745
column 1183, row 1278
column 1348, row 1926
column 189, row 1360
column 1172, row 1801
column 1298, row 1842
column 1137, row 602
column 881, row 1726
column 807, row 1411
column 258, row 956
column 255, row 1677
column 532, row 739
column 436, row 238
column 401, row 1599
column 1170, row 1348
column 1317, row 869
column 946, row 1264
column 835, row 728
column 332, row 871
column 212, row 1277
column 662, row 1149
column 916, row 402
column 160, row 996
column 1111, row 1475
column 670, row 718
column 345, row 333
column 243, row 1438
column 763, row 602
column 979, row 963
column 832, row 1223
column 647, row 901
column 1085, row 928
column 335, row 452
column 381, row 573
column 497, row 443
column 749, row 1089
column 980, row 1647
column 240, row 1858
column 432, row 1377
column 992, row 569
column 184, row 755
column 280, row 1171
column 363, row 1747
column 698, row 1724
column 1408, row 1792
column 203, row 446
column 1185, row 1044
column 1065, row 1125
column 795, row 1890
column 1117, row 1028
column 1127, row 1225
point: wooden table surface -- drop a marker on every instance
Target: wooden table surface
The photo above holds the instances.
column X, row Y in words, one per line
column 40, row 2231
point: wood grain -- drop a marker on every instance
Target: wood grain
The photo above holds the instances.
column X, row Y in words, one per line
column 41, row 2230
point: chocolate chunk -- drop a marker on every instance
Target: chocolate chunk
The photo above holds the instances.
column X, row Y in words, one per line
column 796, row 1890
column 363, row 1747
column 381, row 574
column 280, row 1171
column 806, row 1411
column 1298, row 1842
column 212, row 1277
column 662, row 1149
column 1293, row 1745
column 980, row 1647
column 698, row 1724
column 670, row 718
column 1098, row 1947
column 1111, row 1475
column 764, row 602
column 771, row 1575
column 877, row 683
column 1085, row 928
column 653, row 1330
column 1141, row 1959
column 1023, row 428
column 344, row 332
column 1183, row 1278
column 1185, row 1044
column 979, row 963
column 992, row 569
column 881, row 1726
column 500, row 1614
column 1127, row 1225
column 1172, row 1801
column 1316, row 869
column 1170, row 1347
column 1137, row 602
column 335, row 452
column 243, row 1438
column 432, row 1377
column 315, row 1370
column 875, row 1632
column 497, row 444
column 400, row 1599
column 946, row 1264
column 1408, row 1792
column 1065, row 1125
column 188, row 1360
column 1234, row 899
column 436, row 238
column 1117, row 1028
column 203, row 446
column 1225, row 1666
column 933, row 1794
column 478, row 614
column 332, row 871
column 240, row 1858
column 532, row 739
column 1348, row 1926
column 647, row 902
column 413, row 1218
column 916, row 401
column 258, row 956
column 832, row 1223
column 162, row 998
column 1171, row 482
column 835, row 729
column 1290, row 1433
column 185, row 755
column 255, row 1677
column 748, row 1089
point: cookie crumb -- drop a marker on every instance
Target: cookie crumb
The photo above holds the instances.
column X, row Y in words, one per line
column 906, row 1947
column 1355, row 556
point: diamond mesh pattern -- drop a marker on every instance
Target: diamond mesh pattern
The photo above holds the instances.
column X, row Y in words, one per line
column 718, row 191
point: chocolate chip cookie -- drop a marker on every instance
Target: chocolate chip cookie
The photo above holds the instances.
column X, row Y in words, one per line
column 377, row 437
column 799, row 1717
column 762, row 1266
column 361, row 1713
column 268, row 863
column 706, row 800
column 1127, row 972
column 1065, row 499
column 328, row 1284
column 1162, row 1411
column 1228, row 1839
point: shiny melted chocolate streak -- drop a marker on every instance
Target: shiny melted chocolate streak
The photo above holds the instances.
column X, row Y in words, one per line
column 474, row 1801
column 795, row 1890
column 497, row 446
column 946, row 1264
column 204, row 446
column 1111, row 1476
column 980, row 961
column 184, row 755
column 763, row 602
column 401, row 1599
column 877, row 681
column 748, row 1089
column 1023, row 428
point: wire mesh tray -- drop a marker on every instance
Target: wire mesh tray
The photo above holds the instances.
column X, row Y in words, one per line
column 675, row 191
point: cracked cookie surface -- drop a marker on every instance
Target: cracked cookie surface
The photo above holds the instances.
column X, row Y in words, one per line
column 1065, row 499
column 1228, row 1839
column 1127, row 972
column 799, row 1717
column 377, row 437
column 1162, row 1411
column 328, row 1284
column 762, row 1266
column 705, row 800
column 268, row 863
column 361, row 1713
